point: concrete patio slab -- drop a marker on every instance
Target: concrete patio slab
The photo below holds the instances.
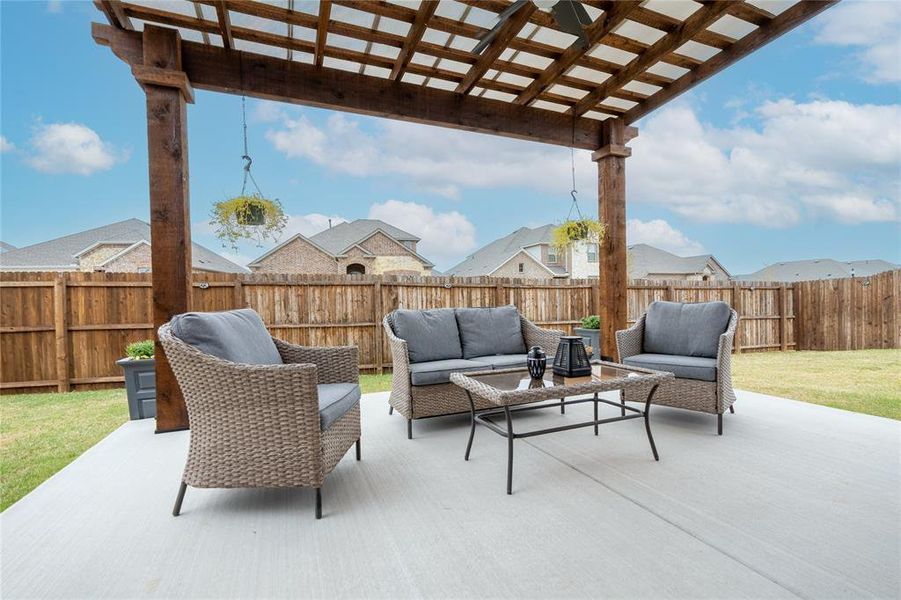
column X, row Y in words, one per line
column 795, row 500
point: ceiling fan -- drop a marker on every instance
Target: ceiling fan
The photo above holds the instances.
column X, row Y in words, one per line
column 570, row 16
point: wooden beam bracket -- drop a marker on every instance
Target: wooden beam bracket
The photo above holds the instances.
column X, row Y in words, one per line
column 611, row 150
column 164, row 78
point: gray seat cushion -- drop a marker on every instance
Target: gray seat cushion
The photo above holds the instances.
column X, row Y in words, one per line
column 502, row 361
column 335, row 399
column 685, row 367
column 438, row 371
column 489, row 331
column 430, row 334
column 685, row 329
column 238, row 336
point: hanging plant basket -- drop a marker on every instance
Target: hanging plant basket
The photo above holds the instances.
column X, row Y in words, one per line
column 250, row 217
column 571, row 231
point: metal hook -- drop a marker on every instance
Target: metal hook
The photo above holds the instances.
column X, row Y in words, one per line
column 249, row 162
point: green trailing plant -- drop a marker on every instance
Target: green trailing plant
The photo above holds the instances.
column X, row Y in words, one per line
column 248, row 216
column 140, row 350
column 591, row 322
column 571, row 231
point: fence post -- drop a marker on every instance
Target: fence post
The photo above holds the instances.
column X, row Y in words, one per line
column 796, row 313
column 239, row 294
column 736, row 304
column 498, row 293
column 671, row 293
column 379, row 331
column 783, row 319
column 61, row 326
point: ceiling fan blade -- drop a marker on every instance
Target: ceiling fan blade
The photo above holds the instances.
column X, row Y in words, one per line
column 572, row 18
column 502, row 17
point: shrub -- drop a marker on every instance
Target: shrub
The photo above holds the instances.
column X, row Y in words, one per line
column 140, row 350
column 591, row 322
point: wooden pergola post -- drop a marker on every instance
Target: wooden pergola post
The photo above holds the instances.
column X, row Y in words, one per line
column 613, row 276
column 168, row 91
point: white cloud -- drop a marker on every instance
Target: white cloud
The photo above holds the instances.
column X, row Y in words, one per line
column 54, row 6
column 446, row 236
column 71, row 148
column 435, row 160
column 310, row 224
column 6, row 145
column 775, row 174
column 872, row 27
column 661, row 234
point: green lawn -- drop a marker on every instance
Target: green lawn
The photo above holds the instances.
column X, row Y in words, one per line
column 864, row 381
column 42, row 433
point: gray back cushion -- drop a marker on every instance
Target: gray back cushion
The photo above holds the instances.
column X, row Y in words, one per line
column 488, row 331
column 236, row 335
column 685, row 329
column 430, row 334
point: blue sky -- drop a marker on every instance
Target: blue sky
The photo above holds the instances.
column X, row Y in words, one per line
column 793, row 153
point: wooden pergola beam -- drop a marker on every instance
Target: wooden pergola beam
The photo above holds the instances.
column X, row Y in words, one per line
column 595, row 34
column 786, row 21
column 115, row 14
column 507, row 32
column 225, row 25
column 236, row 72
column 697, row 22
column 414, row 36
column 325, row 11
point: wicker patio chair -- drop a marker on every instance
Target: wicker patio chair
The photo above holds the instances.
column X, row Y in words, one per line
column 424, row 401
column 707, row 389
column 258, row 425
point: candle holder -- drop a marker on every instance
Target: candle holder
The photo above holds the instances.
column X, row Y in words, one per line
column 571, row 359
column 537, row 362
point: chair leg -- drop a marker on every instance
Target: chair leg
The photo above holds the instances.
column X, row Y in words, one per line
column 176, row 510
column 318, row 503
column 390, row 410
column 357, row 444
column 409, row 429
column 562, row 406
column 719, row 424
column 732, row 408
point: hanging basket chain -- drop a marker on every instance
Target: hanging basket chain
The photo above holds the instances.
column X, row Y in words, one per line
column 246, row 156
column 573, row 191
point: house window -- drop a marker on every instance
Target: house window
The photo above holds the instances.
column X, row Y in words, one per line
column 356, row 269
column 592, row 253
column 551, row 254
column 522, row 267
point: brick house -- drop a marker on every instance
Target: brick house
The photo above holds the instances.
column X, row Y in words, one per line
column 364, row 246
column 121, row 247
column 529, row 253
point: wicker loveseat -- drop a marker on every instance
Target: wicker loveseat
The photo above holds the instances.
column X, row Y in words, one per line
column 692, row 341
column 263, row 412
column 428, row 345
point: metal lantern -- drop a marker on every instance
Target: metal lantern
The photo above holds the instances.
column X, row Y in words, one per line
column 571, row 359
column 537, row 361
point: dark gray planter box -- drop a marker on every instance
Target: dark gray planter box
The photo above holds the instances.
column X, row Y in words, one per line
column 140, row 384
column 590, row 337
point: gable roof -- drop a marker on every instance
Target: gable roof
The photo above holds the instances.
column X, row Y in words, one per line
column 5, row 247
column 338, row 238
column 822, row 268
column 645, row 259
column 60, row 253
column 490, row 257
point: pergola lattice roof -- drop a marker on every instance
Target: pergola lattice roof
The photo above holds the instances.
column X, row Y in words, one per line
column 640, row 54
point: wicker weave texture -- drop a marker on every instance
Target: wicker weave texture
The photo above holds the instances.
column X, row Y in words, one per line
column 417, row 402
column 702, row 396
column 258, row 425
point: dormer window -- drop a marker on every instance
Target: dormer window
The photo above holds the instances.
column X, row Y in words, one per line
column 551, row 254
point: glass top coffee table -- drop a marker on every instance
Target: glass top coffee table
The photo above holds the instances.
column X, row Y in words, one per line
column 510, row 389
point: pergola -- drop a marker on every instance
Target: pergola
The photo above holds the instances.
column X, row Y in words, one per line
column 413, row 60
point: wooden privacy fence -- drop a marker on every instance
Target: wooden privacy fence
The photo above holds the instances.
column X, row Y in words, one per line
column 65, row 331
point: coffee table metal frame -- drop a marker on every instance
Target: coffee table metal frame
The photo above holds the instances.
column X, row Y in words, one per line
column 511, row 401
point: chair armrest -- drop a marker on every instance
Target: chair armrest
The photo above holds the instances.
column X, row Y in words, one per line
column 628, row 341
column 533, row 335
column 725, row 392
column 336, row 364
column 401, row 393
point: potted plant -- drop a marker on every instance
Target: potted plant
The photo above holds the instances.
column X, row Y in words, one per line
column 571, row 231
column 140, row 379
column 247, row 216
column 590, row 332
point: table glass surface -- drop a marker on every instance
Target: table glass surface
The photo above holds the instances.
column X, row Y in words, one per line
column 520, row 379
